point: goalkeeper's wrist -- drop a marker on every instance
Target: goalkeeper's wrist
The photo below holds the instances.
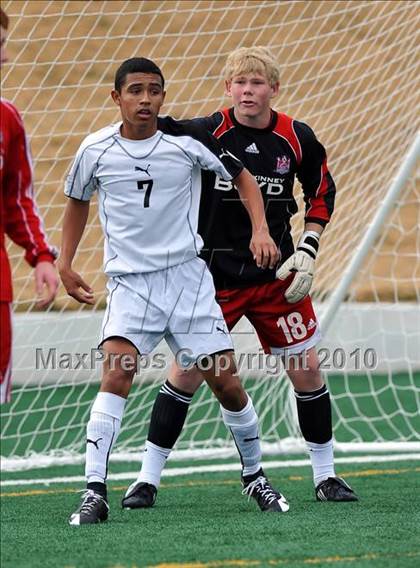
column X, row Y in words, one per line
column 309, row 243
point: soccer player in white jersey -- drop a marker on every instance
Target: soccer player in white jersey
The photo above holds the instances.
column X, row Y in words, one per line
column 148, row 185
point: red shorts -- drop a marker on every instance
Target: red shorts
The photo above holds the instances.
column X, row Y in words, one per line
column 5, row 351
column 281, row 327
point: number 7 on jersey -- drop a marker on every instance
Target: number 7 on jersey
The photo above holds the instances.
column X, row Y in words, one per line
column 147, row 185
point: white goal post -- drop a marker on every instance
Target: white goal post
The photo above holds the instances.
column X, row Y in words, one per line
column 348, row 68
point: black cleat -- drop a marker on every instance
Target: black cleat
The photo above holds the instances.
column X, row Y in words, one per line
column 265, row 495
column 335, row 489
column 93, row 509
column 139, row 495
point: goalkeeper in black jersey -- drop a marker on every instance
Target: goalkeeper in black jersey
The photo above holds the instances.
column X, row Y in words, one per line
column 276, row 149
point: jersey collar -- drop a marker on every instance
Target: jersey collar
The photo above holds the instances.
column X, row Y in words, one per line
column 268, row 128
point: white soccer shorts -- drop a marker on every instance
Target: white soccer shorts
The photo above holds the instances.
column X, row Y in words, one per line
column 177, row 304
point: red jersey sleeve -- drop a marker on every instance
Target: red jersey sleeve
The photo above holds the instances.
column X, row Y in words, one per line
column 22, row 222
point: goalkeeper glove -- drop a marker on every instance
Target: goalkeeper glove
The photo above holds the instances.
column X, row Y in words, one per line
column 302, row 265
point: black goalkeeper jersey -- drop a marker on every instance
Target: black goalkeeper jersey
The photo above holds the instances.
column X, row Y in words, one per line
column 274, row 155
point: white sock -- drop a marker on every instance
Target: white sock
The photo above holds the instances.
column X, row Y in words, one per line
column 102, row 431
column 244, row 428
column 154, row 459
column 322, row 460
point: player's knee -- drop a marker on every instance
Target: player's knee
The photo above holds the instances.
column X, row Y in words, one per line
column 118, row 381
column 230, row 394
column 307, row 379
column 313, row 378
column 303, row 370
column 187, row 380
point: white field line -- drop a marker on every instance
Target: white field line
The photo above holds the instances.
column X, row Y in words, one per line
column 175, row 471
column 273, row 449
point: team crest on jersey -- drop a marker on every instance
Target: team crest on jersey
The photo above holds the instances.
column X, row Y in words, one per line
column 283, row 165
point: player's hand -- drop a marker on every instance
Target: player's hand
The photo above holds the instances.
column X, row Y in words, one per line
column 46, row 283
column 75, row 285
column 302, row 265
column 264, row 249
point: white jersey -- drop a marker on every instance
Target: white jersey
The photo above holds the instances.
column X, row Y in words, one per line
column 148, row 191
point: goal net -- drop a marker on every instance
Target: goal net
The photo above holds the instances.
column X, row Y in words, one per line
column 348, row 68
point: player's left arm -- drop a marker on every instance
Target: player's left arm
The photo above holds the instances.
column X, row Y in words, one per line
column 23, row 223
column 262, row 245
column 319, row 195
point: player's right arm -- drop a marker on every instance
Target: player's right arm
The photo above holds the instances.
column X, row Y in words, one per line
column 75, row 219
column 262, row 245
column 79, row 187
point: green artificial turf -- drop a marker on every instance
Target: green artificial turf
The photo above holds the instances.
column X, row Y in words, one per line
column 203, row 521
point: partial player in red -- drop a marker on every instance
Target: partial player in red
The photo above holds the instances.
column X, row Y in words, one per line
column 276, row 149
column 19, row 220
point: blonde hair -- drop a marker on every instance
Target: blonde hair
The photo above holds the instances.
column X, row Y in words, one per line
column 257, row 59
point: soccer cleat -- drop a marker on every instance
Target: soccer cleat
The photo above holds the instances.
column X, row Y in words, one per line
column 335, row 489
column 265, row 495
column 93, row 509
column 139, row 495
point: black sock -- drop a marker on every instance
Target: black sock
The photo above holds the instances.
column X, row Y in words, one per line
column 314, row 413
column 98, row 487
column 168, row 416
